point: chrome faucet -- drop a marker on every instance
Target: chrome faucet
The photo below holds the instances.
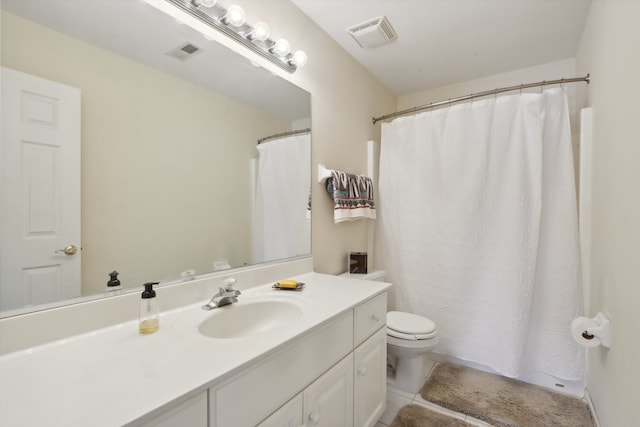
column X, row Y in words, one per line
column 225, row 296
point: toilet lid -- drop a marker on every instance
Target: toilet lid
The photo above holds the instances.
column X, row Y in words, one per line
column 409, row 323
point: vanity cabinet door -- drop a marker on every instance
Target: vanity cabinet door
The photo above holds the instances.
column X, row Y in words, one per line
column 289, row 415
column 246, row 399
column 370, row 381
column 328, row 401
column 192, row 413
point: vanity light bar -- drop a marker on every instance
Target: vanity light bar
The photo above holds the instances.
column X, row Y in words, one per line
column 241, row 34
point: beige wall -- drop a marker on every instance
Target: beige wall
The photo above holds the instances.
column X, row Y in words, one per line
column 137, row 216
column 344, row 98
column 610, row 51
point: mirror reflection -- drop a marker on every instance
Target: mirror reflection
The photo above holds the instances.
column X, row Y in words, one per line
column 134, row 139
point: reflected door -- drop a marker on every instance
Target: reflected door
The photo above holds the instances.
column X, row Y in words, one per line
column 39, row 191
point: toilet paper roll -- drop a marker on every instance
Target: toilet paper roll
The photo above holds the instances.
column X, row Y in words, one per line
column 580, row 325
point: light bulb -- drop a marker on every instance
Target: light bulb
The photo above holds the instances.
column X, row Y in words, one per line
column 281, row 47
column 234, row 16
column 260, row 32
column 205, row 3
column 299, row 59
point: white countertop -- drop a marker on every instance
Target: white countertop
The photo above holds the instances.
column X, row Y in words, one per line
column 115, row 376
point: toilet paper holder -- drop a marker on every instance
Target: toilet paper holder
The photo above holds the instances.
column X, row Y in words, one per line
column 587, row 336
column 601, row 329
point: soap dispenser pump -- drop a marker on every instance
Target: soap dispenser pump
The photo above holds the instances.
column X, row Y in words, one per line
column 114, row 283
column 149, row 319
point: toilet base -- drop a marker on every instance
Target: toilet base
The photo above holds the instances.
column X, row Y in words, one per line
column 410, row 373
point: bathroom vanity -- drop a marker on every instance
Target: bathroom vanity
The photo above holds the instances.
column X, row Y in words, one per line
column 315, row 357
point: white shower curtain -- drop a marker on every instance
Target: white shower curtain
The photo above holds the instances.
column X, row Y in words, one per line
column 280, row 225
column 478, row 230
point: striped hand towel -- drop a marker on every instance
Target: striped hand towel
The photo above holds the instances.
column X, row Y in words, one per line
column 352, row 196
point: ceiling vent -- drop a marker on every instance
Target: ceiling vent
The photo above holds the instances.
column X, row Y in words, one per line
column 374, row 32
column 184, row 52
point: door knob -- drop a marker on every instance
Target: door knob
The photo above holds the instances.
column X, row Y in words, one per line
column 314, row 417
column 68, row 250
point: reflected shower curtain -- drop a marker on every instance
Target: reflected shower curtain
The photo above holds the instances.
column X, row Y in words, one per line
column 280, row 225
column 478, row 230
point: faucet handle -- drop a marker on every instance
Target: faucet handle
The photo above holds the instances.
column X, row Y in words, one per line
column 228, row 283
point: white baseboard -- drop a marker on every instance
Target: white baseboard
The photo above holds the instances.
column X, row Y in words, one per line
column 592, row 409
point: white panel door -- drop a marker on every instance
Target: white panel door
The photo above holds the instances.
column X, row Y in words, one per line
column 328, row 401
column 39, row 191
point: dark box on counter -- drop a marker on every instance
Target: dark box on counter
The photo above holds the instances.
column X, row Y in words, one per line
column 358, row 263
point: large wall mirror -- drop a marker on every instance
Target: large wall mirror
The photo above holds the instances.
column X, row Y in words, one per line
column 169, row 180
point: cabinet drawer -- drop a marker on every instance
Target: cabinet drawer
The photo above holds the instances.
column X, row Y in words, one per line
column 369, row 317
column 192, row 413
column 252, row 396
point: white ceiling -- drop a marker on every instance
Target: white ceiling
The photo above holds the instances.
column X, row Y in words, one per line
column 442, row 42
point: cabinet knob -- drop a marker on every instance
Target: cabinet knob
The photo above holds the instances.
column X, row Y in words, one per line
column 375, row 317
column 314, row 418
column 362, row 371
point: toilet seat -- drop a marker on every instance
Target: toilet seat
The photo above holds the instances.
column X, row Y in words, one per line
column 410, row 337
column 409, row 326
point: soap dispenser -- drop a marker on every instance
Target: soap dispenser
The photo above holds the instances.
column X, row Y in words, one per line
column 114, row 283
column 149, row 319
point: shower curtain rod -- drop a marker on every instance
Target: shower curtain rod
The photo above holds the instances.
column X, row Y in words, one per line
column 480, row 94
column 278, row 135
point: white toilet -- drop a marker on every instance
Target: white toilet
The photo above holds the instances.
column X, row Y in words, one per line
column 409, row 338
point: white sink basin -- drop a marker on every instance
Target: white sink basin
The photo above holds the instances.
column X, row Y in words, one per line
column 246, row 318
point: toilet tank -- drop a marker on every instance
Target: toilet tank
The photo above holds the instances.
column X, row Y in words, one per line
column 376, row 276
